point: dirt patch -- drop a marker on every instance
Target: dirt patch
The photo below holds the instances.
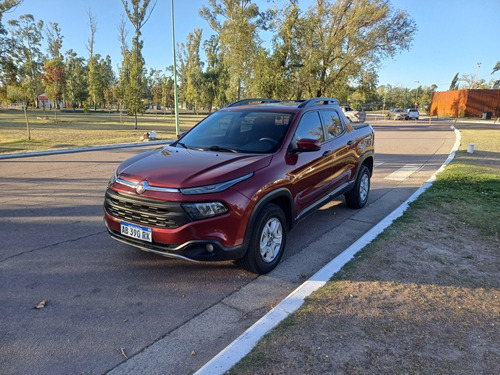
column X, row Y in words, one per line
column 424, row 302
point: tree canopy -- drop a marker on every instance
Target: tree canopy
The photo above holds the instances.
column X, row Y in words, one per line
column 331, row 48
column 138, row 15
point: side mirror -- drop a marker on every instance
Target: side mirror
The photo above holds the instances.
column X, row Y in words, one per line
column 307, row 145
column 180, row 135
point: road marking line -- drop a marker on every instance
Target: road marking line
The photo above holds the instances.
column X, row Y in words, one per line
column 404, row 172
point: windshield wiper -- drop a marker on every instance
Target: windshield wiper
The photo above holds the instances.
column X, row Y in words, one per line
column 189, row 147
column 211, row 148
column 219, row 148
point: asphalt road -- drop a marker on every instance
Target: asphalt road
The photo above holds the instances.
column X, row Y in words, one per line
column 113, row 309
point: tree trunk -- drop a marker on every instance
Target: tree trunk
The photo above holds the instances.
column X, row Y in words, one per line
column 27, row 122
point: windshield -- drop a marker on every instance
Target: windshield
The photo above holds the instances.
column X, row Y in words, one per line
column 247, row 131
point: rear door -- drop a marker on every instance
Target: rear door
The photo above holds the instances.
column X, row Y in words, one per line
column 339, row 147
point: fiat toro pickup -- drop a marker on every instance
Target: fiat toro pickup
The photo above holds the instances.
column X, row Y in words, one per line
column 236, row 183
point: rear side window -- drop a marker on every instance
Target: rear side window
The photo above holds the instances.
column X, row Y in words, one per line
column 310, row 127
column 333, row 125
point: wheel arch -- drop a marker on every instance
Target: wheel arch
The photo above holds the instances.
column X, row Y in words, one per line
column 281, row 197
column 368, row 161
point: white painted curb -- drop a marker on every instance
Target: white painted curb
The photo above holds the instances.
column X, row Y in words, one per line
column 81, row 149
column 240, row 347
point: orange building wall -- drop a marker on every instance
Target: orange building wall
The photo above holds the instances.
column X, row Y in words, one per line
column 468, row 103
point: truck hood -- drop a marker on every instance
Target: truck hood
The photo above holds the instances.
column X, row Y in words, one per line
column 174, row 167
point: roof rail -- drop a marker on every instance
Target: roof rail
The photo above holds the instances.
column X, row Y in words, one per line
column 252, row 101
column 319, row 101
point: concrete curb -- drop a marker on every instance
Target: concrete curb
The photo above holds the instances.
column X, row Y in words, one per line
column 81, row 149
column 240, row 347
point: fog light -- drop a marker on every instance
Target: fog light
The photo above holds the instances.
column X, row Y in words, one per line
column 210, row 247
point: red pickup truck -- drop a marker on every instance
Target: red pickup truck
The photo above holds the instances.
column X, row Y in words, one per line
column 238, row 181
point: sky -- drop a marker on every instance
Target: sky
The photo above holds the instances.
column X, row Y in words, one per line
column 453, row 36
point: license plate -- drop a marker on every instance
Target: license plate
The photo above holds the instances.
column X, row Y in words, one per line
column 136, row 231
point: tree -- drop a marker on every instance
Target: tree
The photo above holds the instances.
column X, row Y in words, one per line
column 93, row 30
column 365, row 90
column 215, row 78
column 76, row 91
column 469, row 82
column 238, row 37
column 96, row 91
column 96, row 86
column 496, row 68
column 342, row 40
column 109, row 80
column 54, row 75
column 286, row 61
column 54, row 40
column 269, row 77
column 5, row 7
column 454, row 83
column 26, row 54
column 138, row 15
column 155, row 81
column 101, row 80
column 7, row 67
column 5, row 45
column 124, row 69
column 54, row 78
column 193, row 70
column 425, row 97
column 167, row 93
column 134, row 91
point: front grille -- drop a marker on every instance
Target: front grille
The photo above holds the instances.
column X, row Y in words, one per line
column 145, row 211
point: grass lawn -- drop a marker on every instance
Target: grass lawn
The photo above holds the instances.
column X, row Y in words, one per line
column 51, row 130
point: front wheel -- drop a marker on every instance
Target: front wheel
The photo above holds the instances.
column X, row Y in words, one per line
column 268, row 241
column 358, row 196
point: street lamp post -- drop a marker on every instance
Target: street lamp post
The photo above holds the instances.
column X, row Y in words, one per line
column 416, row 94
column 176, row 98
column 477, row 74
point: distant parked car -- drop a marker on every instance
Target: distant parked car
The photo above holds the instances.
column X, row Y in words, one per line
column 412, row 113
column 353, row 115
column 397, row 114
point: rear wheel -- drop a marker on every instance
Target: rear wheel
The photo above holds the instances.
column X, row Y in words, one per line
column 267, row 242
column 358, row 196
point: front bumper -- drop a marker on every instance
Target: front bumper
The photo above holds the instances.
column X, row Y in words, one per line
column 195, row 250
column 173, row 233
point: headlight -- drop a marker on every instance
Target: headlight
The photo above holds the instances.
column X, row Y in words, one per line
column 203, row 210
column 215, row 188
column 113, row 178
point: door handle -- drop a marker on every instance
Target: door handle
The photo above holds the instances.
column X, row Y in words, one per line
column 327, row 153
column 350, row 142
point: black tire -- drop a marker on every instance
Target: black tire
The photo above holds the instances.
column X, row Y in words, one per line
column 358, row 196
column 268, row 241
